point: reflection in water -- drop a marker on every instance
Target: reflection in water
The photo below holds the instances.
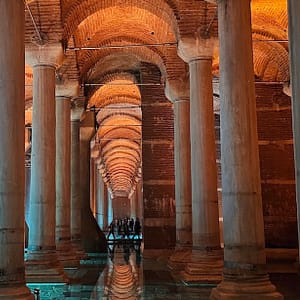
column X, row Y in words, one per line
column 123, row 276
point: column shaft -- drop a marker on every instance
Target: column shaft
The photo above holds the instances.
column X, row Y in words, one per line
column 203, row 157
column 244, row 255
column 182, row 154
column 63, row 152
column 140, row 201
column 42, row 192
column 101, row 203
column 241, row 193
column 41, row 257
column 133, row 204
column 93, row 240
column 12, row 169
column 110, row 215
column 294, row 34
column 75, row 182
column 63, row 183
column 93, row 186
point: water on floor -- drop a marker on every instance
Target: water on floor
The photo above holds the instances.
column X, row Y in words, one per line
column 124, row 274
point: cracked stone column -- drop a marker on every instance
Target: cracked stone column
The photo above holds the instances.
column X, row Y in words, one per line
column 294, row 33
column 76, row 113
column 66, row 253
column 179, row 93
column 41, row 261
column 206, row 258
column 244, row 271
column 12, row 169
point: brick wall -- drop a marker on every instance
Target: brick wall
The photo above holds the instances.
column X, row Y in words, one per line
column 274, row 119
column 158, row 162
column 274, row 126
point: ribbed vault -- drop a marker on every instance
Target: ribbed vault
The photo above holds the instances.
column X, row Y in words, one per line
column 118, row 102
column 100, row 40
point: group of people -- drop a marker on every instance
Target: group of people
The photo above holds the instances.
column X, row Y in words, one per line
column 127, row 227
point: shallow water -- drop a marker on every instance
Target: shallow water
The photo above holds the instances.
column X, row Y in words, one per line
column 125, row 274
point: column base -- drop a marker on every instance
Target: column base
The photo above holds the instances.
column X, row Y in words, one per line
column 251, row 288
column 16, row 293
column 66, row 255
column 43, row 266
column 78, row 249
column 178, row 260
column 204, row 267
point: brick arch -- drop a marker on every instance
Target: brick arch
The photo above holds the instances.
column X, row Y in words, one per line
column 74, row 12
column 121, row 89
column 271, row 62
column 94, row 59
column 113, row 145
column 118, row 21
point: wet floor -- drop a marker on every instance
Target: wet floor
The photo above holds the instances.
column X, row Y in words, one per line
column 125, row 274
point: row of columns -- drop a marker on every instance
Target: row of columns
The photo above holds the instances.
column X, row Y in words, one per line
column 244, row 273
column 244, row 257
column 101, row 198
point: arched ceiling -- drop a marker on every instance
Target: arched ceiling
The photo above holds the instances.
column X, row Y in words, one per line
column 118, row 103
column 107, row 41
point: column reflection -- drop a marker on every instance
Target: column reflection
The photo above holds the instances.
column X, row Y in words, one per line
column 123, row 276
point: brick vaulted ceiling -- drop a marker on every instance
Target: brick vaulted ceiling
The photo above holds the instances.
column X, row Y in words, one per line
column 99, row 37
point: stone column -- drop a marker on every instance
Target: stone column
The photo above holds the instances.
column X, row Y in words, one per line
column 110, row 215
column 12, row 170
column 42, row 263
column 294, row 31
column 66, row 254
column 76, row 112
column 178, row 92
column 244, row 271
column 105, row 206
column 206, row 261
column 101, row 202
column 93, row 185
column 93, row 240
column 140, row 201
column 133, row 204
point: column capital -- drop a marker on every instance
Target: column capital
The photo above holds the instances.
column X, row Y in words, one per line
column 77, row 109
column 196, row 48
column 178, row 89
column 87, row 126
column 95, row 151
column 48, row 54
column 66, row 89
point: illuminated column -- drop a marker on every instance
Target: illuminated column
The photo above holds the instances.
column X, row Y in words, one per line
column 93, row 239
column 207, row 259
column 93, row 184
column 41, row 258
column 244, row 271
column 110, row 215
column 12, row 170
column 177, row 91
column 133, row 200
column 101, row 202
column 294, row 33
column 64, row 93
column 76, row 112
column 140, row 201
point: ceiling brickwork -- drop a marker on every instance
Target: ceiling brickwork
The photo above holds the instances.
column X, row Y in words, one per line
column 106, row 41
